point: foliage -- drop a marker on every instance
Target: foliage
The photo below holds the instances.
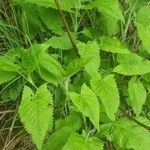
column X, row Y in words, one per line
column 125, row 133
column 87, row 103
column 36, row 112
column 110, row 100
column 80, row 72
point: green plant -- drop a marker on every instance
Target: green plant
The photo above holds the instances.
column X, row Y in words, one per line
column 84, row 73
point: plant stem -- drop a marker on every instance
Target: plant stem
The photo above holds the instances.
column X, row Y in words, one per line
column 66, row 25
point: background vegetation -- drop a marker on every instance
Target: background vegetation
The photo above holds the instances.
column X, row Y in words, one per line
column 74, row 74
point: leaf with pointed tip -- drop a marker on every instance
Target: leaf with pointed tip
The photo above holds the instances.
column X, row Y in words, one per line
column 107, row 90
column 60, row 42
column 76, row 65
column 63, row 129
column 143, row 26
column 137, row 95
column 36, row 59
column 47, row 76
column 58, row 139
column 65, row 4
column 32, row 56
column 108, row 21
column 36, row 113
column 73, row 120
column 144, row 34
column 112, row 45
column 52, row 19
column 88, row 104
column 51, row 65
column 127, row 134
column 91, row 49
column 78, row 142
column 7, row 64
column 132, row 64
column 111, row 7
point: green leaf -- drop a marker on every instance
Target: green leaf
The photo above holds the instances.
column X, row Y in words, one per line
column 91, row 49
column 73, row 120
column 143, row 26
column 58, row 139
column 87, row 103
column 142, row 16
column 112, row 45
column 107, row 90
column 108, row 21
column 51, row 65
column 146, row 77
column 132, row 64
column 64, row 128
column 144, row 34
column 127, row 134
column 60, row 42
column 111, row 7
column 65, row 4
column 37, row 59
column 78, row 142
column 8, row 64
column 36, row 113
column 29, row 20
column 47, row 76
column 143, row 120
column 76, row 65
column 32, row 56
column 6, row 76
column 52, row 19
column 137, row 95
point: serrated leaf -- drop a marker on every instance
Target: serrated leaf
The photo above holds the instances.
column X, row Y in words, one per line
column 29, row 19
column 143, row 26
column 64, row 127
column 32, row 56
column 112, row 45
column 37, row 59
column 6, row 76
column 51, row 65
column 76, row 142
column 137, row 95
column 132, row 64
column 107, row 90
column 142, row 16
column 87, row 103
column 108, row 21
column 127, row 134
column 60, row 42
column 111, row 7
column 144, row 34
column 146, row 77
column 47, row 76
column 29, row 58
column 91, row 49
column 76, row 65
column 52, row 19
column 58, row 139
column 65, row 4
column 36, row 113
column 74, row 120
column 7, row 64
